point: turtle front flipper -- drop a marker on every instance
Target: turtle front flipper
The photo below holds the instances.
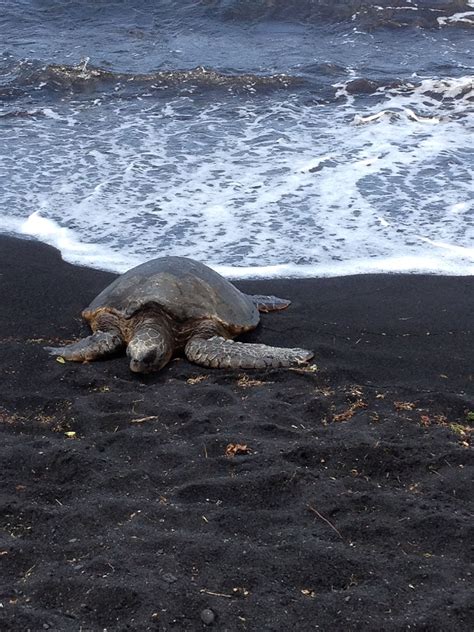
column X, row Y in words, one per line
column 268, row 303
column 99, row 345
column 220, row 353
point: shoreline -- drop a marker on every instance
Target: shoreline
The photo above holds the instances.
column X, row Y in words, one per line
column 343, row 318
column 393, row 265
column 348, row 505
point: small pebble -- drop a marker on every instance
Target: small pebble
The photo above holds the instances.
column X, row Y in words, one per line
column 207, row 616
column 168, row 577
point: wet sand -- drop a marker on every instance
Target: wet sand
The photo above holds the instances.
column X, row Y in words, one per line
column 347, row 507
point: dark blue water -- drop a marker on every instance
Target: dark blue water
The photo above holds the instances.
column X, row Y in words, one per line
column 267, row 136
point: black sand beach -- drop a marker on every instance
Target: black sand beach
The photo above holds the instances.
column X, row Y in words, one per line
column 349, row 506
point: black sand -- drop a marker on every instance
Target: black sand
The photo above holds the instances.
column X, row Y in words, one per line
column 350, row 509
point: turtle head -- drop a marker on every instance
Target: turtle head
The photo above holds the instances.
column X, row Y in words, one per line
column 149, row 350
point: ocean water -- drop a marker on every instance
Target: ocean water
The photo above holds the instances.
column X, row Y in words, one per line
column 263, row 137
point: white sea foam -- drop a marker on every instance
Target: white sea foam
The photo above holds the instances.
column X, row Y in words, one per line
column 75, row 251
column 65, row 240
column 466, row 16
column 253, row 187
column 393, row 115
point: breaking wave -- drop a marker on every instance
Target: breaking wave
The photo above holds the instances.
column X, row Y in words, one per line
column 86, row 79
column 364, row 14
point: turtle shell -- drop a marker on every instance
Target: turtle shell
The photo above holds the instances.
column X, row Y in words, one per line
column 185, row 288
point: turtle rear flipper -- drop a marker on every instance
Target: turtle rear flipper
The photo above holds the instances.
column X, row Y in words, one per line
column 218, row 352
column 268, row 303
column 99, row 345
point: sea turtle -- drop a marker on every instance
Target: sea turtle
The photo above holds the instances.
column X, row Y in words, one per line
column 172, row 304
